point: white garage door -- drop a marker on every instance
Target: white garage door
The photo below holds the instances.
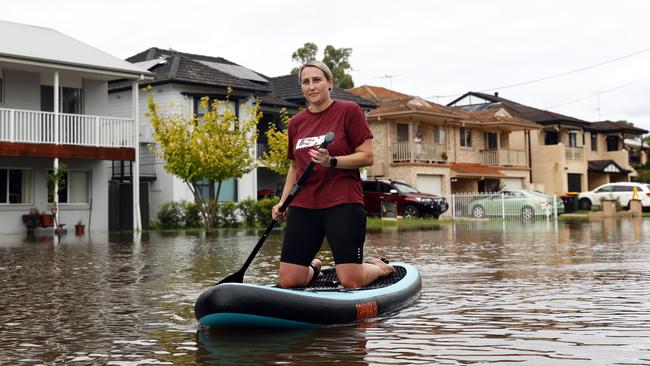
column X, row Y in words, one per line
column 513, row 183
column 429, row 184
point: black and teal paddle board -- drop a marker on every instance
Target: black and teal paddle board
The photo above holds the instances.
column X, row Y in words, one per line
column 323, row 303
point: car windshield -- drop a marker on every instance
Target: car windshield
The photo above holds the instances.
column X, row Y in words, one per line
column 404, row 188
column 538, row 193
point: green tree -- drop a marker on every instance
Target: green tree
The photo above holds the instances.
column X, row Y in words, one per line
column 216, row 148
column 337, row 59
column 276, row 157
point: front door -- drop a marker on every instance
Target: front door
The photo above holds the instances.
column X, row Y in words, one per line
column 574, row 182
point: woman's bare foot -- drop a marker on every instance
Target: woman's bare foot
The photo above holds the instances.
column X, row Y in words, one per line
column 386, row 269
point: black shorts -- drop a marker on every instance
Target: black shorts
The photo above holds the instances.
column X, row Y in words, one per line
column 343, row 225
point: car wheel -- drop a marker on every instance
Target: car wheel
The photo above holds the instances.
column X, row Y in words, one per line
column 478, row 212
column 436, row 216
column 410, row 212
column 528, row 213
column 585, row 204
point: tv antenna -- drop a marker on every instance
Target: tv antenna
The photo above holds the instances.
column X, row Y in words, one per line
column 389, row 77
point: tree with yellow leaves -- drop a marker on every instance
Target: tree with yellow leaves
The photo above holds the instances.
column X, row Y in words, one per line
column 215, row 148
column 275, row 158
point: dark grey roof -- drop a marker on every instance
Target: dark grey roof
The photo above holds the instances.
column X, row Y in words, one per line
column 598, row 166
column 288, row 87
column 523, row 111
column 187, row 68
column 614, row 127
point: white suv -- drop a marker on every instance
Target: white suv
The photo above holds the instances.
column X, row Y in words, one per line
column 623, row 192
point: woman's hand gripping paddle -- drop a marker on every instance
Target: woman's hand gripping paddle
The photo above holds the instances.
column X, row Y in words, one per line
column 238, row 276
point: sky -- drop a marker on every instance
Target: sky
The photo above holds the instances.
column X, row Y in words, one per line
column 585, row 59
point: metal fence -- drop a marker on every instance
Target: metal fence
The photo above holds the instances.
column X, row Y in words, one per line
column 510, row 205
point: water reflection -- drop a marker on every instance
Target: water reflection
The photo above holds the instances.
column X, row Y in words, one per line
column 500, row 292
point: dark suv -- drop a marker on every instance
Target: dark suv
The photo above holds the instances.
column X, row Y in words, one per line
column 409, row 201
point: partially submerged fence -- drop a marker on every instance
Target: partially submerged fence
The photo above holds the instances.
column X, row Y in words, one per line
column 508, row 205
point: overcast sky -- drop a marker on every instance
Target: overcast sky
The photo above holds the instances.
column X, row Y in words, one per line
column 432, row 49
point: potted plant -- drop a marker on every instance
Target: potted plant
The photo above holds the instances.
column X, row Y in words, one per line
column 79, row 228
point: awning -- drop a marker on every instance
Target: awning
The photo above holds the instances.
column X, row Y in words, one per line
column 606, row 166
column 471, row 170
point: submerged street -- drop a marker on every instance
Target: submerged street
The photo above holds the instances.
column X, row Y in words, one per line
column 538, row 293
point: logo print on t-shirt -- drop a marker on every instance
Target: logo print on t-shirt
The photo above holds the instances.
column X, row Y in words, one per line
column 310, row 142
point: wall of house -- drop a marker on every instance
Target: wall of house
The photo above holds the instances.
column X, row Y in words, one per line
column 170, row 99
column 470, row 154
column 548, row 168
column 94, row 97
column 22, row 90
column 96, row 212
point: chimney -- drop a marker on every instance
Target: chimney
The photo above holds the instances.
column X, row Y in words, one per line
column 496, row 94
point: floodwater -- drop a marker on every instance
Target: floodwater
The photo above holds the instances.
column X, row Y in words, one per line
column 506, row 293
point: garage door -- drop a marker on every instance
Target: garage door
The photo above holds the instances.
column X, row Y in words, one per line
column 512, row 183
column 429, row 184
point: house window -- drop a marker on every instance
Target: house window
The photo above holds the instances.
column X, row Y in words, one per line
column 200, row 111
column 73, row 188
column 573, row 139
column 69, row 99
column 439, row 134
column 465, row 137
column 551, row 137
column 594, row 142
column 228, row 190
column 612, row 143
column 15, row 186
column 490, row 140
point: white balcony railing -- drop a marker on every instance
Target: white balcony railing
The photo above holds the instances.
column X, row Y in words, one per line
column 37, row 127
column 574, row 153
column 503, row 157
column 417, row 152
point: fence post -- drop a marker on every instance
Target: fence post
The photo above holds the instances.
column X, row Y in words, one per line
column 555, row 207
column 453, row 206
column 503, row 206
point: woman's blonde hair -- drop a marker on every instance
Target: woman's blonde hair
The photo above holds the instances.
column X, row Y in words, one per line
column 319, row 65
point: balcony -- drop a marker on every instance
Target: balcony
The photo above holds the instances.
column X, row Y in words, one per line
column 503, row 157
column 417, row 152
column 35, row 127
column 574, row 153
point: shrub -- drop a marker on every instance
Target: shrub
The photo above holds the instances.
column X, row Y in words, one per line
column 247, row 210
column 172, row 215
column 227, row 215
column 192, row 216
column 263, row 210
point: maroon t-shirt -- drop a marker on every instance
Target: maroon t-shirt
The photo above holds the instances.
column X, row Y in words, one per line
column 328, row 187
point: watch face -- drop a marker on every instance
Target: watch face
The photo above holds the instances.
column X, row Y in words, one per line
column 333, row 162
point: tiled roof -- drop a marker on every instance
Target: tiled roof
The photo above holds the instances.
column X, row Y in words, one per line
column 288, row 87
column 377, row 93
column 618, row 126
column 598, row 166
column 390, row 101
column 525, row 112
column 186, row 68
column 498, row 114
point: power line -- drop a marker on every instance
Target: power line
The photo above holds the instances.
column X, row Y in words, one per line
column 600, row 92
column 552, row 76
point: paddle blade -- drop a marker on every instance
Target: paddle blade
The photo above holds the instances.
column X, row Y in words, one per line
column 237, row 277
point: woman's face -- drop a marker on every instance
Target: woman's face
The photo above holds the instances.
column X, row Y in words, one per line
column 315, row 86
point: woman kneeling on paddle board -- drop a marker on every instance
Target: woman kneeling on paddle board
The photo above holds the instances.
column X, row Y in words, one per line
column 330, row 203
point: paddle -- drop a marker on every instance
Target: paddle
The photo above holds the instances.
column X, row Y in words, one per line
column 238, row 276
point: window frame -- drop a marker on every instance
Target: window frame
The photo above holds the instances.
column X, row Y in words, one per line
column 67, row 190
column 594, row 141
column 8, row 186
column 465, row 137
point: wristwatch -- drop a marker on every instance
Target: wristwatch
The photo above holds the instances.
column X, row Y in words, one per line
column 333, row 161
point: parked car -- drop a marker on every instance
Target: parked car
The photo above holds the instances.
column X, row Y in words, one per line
column 515, row 202
column 408, row 200
column 622, row 191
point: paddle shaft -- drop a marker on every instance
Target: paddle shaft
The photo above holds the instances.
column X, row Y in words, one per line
column 239, row 275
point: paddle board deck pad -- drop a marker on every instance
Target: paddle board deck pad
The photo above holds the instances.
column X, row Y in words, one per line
column 324, row 302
